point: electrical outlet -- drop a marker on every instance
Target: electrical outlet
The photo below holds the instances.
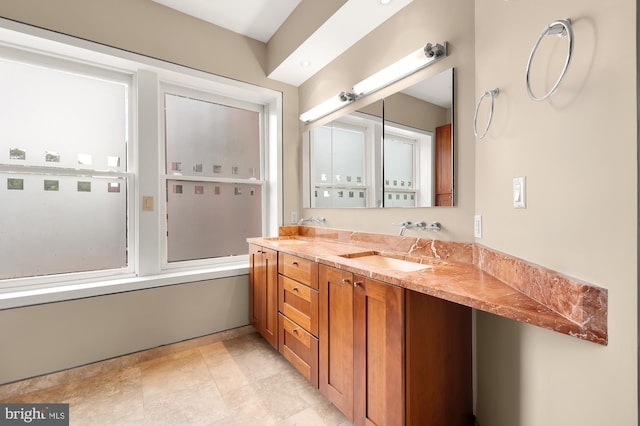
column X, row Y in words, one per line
column 147, row 203
column 477, row 226
column 294, row 217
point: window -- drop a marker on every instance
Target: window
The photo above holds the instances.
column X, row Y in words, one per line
column 338, row 165
column 65, row 183
column 213, row 175
column 399, row 175
column 88, row 132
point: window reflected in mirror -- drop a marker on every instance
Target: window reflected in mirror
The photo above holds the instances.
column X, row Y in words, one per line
column 396, row 152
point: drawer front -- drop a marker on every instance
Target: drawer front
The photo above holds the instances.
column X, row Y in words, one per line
column 299, row 303
column 300, row 348
column 299, row 269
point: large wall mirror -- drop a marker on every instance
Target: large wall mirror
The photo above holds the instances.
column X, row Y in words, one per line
column 395, row 152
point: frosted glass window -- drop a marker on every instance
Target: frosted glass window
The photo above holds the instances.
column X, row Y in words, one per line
column 398, row 163
column 338, row 155
column 211, row 144
column 211, row 219
column 49, row 227
column 63, row 156
column 338, row 166
column 50, row 117
column 209, row 139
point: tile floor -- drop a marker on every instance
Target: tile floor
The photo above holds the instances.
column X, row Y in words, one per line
column 241, row 381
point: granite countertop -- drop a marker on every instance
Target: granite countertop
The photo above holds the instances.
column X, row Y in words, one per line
column 454, row 272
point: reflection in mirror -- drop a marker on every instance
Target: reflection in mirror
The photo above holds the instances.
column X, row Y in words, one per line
column 418, row 144
column 344, row 163
column 396, row 152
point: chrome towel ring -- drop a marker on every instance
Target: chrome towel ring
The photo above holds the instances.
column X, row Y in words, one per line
column 492, row 94
column 561, row 28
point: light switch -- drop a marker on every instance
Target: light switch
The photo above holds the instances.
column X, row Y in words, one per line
column 519, row 193
column 147, row 203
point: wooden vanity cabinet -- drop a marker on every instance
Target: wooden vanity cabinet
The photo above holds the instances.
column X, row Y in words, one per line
column 378, row 332
column 390, row 356
column 263, row 292
column 336, row 338
column 298, row 313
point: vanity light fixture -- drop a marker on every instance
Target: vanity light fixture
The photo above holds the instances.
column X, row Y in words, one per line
column 411, row 63
column 327, row 107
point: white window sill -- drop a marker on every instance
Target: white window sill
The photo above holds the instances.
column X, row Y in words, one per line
column 66, row 291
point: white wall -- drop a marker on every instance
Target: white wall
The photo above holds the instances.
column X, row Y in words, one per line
column 420, row 22
column 578, row 152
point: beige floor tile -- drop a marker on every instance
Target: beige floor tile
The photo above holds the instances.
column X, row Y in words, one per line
column 174, row 372
column 239, row 382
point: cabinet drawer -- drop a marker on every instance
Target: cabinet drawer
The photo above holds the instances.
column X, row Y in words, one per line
column 299, row 303
column 299, row 269
column 300, row 348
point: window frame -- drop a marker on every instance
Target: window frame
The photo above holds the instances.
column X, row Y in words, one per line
column 165, row 176
column 145, row 232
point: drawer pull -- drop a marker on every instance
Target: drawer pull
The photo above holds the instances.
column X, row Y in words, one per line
column 357, row 283
column 295, row 289
column 345, row 281
column 294, row 263
column 294, row 331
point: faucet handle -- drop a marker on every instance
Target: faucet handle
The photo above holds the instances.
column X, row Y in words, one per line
column 403, row 224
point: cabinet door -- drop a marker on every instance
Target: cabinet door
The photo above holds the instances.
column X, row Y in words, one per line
column 263, row 292
column 379, row 353
column 256, row 287
column 336, row 338
column 270, row 258
column 444, row 166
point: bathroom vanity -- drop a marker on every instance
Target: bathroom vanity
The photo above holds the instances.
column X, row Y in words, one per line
column 382, row 324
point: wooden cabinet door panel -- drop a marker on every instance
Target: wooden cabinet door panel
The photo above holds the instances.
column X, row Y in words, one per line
column 256, row 287
column 263, row 292
column 271, row 297
column 379, row 353
column 336, row 338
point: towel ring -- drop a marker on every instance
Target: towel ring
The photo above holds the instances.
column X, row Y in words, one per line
column 561, row 28
column 492, row 94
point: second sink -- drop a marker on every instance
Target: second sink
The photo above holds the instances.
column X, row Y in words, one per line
column 379, row 260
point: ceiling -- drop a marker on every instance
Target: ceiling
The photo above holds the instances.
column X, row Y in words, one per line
column 260, row 19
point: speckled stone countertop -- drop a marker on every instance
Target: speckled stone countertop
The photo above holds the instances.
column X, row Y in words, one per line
column 463, row 273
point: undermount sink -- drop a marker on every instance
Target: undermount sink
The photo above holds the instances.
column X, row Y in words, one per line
column 378, row 260
column 286, row 240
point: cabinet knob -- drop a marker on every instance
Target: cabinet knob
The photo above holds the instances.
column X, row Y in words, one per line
column 345, row 281
column 357, row 283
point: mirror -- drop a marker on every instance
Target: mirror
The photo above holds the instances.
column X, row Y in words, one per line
column 395, row 152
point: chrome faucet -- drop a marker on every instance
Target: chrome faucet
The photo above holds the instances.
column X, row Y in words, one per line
column 313, row 219
column 404, row 225
column 435, row 226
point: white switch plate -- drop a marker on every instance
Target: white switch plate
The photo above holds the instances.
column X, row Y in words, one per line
column 477, row 226
column 519, row 193
column 294, row 217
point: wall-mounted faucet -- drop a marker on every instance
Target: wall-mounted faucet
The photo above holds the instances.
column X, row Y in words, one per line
column 435, row 226
column 314, row 219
